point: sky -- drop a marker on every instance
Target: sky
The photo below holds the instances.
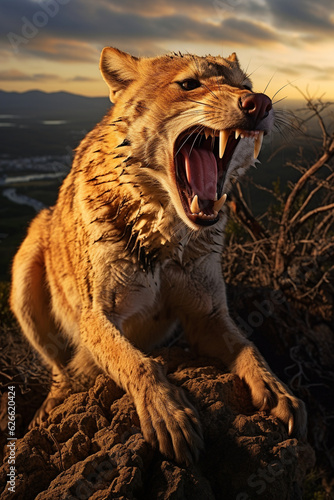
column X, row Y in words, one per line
column 53, row 45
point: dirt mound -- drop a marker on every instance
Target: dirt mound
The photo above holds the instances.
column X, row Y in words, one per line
column 91, row 447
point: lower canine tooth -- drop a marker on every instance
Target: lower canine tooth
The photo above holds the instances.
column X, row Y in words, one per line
column 257, row 144
column 218, row 205
column 194, row 207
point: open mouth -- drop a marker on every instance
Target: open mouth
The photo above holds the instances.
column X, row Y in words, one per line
column 201, row 163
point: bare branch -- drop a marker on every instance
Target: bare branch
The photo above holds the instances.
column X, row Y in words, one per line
column 279, row 260
column 315, row 212
column 297, row 254
column 310, row 196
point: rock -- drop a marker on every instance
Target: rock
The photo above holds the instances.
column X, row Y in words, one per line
column 91, row 446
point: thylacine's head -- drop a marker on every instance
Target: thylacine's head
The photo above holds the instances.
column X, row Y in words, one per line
column 193, row 123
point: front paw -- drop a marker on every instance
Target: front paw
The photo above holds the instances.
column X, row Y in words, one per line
column 169, row 421
column 270, row 394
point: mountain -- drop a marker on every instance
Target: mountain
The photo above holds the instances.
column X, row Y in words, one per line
column 36, row 123
column 55, row 105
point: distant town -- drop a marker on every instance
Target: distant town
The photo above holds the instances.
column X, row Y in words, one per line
column 49, row 163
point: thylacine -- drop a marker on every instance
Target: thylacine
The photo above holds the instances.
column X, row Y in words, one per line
column 134, row 242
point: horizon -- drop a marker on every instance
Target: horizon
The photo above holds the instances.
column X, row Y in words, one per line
column 60, row 91
column 56, row 44
column 106, row 96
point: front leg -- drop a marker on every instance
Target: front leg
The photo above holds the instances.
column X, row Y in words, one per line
column 213, row 333
column 167, row 419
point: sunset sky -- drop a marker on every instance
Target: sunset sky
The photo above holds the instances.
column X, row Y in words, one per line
column 55, row 45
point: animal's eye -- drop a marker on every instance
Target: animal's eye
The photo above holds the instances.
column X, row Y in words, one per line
column 189, row 84
column 247, row 87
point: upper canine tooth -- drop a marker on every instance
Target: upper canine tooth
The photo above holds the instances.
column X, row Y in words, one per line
column 223, row 137
column 194, row 207
column 258, row 143
column 219, row 203
column 237, row 133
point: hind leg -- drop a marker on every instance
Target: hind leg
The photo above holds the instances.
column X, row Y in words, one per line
column 80, row 374
column 60, row 389
column 30, row 302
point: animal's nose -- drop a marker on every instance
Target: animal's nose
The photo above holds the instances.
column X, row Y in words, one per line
column 256, row 105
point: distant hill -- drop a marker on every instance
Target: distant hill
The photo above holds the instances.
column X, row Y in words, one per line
column 36, row 123
column 54, row 105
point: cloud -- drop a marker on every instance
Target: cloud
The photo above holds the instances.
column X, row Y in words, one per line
column 82, row 79
column 299, row 72
column 14, row 75
column 303, row 15
column 240, row 31
column 69, row 34
column 76, row 30
column 45, row 77
column 62, row 49
column 323, row 74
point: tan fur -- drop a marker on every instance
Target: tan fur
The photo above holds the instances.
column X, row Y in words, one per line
column 104, row 275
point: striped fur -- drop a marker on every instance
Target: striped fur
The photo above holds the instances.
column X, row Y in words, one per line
column 106, row 274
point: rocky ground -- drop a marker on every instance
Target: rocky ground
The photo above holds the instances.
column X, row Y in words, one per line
column 92, row 447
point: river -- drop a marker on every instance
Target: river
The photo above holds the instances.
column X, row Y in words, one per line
column 12, row 195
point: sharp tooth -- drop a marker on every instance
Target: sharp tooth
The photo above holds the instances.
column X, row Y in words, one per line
column 237, row 133
column 206, row 132
column 223, row 137
column 218, row 205
column 194, row 207
column 257, row 144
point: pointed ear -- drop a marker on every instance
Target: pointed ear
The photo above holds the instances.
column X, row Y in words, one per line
column 233, row 58
column 118, row 70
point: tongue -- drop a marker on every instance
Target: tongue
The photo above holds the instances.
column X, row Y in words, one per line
column 201, row 171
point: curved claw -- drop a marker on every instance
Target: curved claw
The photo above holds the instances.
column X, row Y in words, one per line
column 290, row 425
column 265, row 402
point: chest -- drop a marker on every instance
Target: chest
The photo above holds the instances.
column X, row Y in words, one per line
column 149, row 307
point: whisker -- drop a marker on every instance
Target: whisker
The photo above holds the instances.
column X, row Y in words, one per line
column 211, row 91
column 279, row 90
column 219, row 84
column 248, row 75
column 193, row 144
column 279, row 100
column 270, row 80
column 246, row 69
column 187, row 137
column 202, row 103
column 178, row 228
column 194, row 123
